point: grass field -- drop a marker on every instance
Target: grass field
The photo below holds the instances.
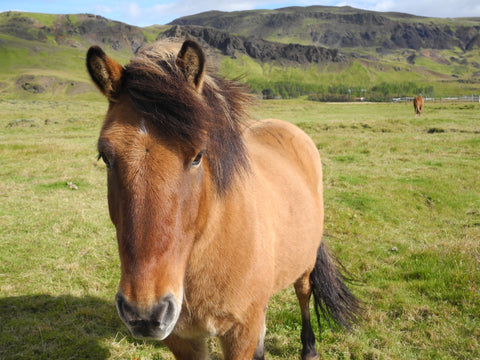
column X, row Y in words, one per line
column 402, row 198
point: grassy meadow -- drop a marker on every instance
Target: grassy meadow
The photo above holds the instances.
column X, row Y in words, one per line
column 402, row 199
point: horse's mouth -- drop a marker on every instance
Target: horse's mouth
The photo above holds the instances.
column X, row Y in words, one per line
column 147, row 330
column 155, row 323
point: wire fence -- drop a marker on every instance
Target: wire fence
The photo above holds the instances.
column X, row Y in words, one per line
column 442, row 99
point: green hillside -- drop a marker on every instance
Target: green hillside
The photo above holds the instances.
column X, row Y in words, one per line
column 30, row 69
column 440, row 55
column 42, row 56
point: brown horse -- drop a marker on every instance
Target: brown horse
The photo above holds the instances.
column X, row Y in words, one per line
column 418, row 105
column 214, row 214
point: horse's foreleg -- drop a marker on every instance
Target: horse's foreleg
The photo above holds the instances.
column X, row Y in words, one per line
column 245, row 341
column 184, row 349
column 259, row 353
column 303, row 291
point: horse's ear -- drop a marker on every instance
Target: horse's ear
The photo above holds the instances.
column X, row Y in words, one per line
column 105, row 72
column 191, row 60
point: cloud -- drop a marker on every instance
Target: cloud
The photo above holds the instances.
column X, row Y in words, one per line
column 179, row 8
column 144, row 13
column 430, row 8
column 141, row 14
column 102, row 9
column 134, row 10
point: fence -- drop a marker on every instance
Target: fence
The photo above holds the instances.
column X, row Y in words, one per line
column 442, row 99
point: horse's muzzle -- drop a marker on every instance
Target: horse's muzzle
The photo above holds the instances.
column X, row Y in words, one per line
column 156, row 323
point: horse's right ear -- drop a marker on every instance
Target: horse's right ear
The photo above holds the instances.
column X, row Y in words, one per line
column 105, row 72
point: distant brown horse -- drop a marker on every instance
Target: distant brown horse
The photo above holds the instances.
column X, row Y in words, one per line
column 214, row 214
column 418, row 105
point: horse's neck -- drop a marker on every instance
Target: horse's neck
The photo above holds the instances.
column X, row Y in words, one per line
column 225, row 219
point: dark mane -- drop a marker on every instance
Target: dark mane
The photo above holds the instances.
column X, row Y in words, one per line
column 212, row 121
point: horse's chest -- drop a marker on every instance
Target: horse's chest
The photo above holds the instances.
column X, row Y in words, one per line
column 194, row 325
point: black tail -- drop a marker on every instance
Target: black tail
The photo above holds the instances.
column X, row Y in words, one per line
column 331, row 296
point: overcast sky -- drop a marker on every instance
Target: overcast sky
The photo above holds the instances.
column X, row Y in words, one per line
column 149, row 12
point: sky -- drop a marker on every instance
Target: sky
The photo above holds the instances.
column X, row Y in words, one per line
column 150, row 12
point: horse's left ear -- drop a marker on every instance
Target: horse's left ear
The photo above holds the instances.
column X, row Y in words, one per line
column 105, row 72
column 191, row 60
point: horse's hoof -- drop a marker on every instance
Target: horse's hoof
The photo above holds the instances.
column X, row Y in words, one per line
column 312, row 357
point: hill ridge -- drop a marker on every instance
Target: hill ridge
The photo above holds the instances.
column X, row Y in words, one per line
column 352, row 28
column 301, row 50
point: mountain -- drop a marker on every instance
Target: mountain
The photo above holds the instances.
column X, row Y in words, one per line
column 286, row 52
column 344, row 27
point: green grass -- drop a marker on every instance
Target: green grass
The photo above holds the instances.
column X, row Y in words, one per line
column 402, row 213
column 450, row 69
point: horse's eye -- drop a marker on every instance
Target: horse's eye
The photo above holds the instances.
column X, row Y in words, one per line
column 105, row 160
column 198, row 159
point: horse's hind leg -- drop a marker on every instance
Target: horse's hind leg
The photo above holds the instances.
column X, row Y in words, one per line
column 304, row 291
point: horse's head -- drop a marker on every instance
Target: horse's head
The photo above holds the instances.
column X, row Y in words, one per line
column 153, row 144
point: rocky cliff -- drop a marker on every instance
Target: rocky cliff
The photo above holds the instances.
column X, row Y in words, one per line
column 258, row 49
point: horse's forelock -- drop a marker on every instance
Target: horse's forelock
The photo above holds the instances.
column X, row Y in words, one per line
column 159, row 90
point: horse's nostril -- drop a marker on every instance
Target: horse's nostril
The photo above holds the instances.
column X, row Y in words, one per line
column 165, row 312
column 136, row 323
column 126, row 311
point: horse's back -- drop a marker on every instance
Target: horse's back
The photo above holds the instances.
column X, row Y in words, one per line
column 287, row 176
